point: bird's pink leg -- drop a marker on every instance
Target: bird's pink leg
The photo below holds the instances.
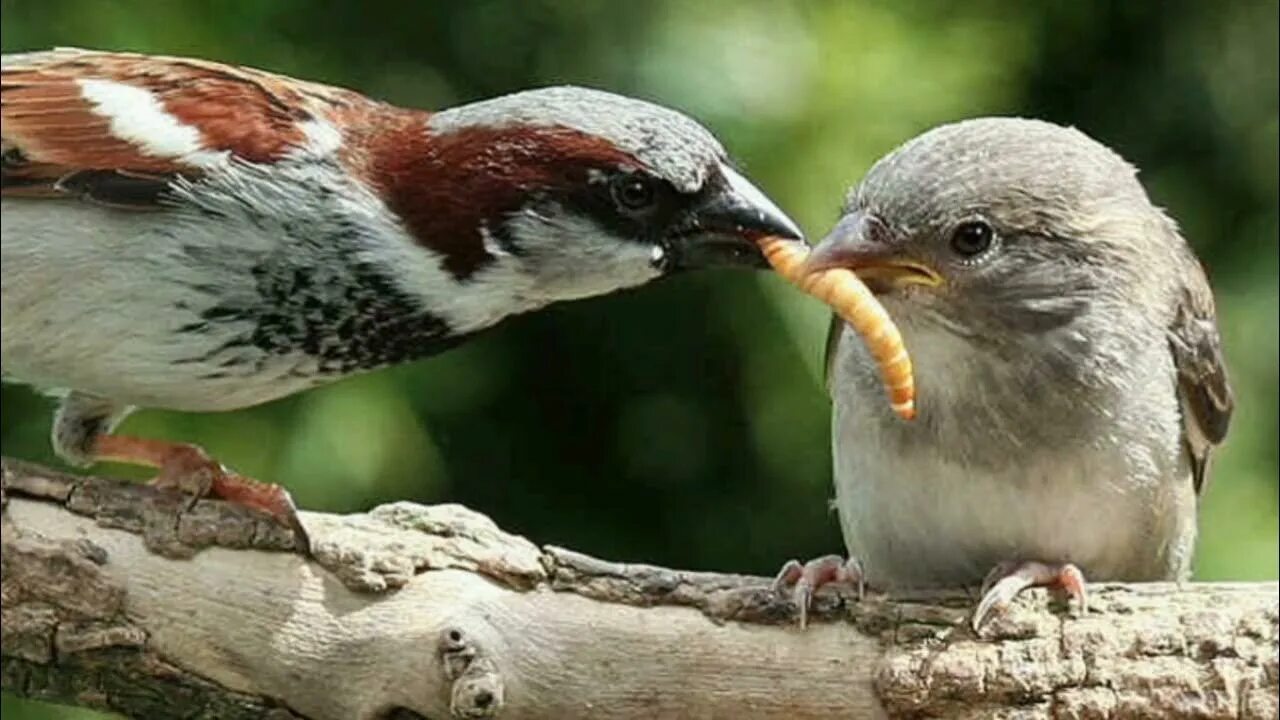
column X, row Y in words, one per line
column 805, row 579
column 1007, row 579
column 189, row 469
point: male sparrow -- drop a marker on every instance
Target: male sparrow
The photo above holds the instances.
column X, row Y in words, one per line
column 1070, row 375
column 195, row 236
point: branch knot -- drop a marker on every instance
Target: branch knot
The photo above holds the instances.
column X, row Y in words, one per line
column 476, row 690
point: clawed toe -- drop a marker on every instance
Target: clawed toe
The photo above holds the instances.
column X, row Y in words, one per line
column 267, row 497
column 190, row 470
column 1008, row 579
column 804, row 580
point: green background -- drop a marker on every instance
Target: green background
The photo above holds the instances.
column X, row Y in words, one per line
column 685, row 423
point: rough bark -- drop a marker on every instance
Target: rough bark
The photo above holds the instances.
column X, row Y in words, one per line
column 120, row 597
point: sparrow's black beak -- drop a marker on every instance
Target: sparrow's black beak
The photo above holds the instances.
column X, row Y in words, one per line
column 725, row 225
column 862, row 243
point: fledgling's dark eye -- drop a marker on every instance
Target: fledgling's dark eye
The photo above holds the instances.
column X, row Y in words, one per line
column 972, row 238
column 633, row 193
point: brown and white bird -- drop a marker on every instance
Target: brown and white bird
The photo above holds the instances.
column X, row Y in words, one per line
column 1070, row 376
column 189, row 235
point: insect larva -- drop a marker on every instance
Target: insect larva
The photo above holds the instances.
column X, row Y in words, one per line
column 845, row 292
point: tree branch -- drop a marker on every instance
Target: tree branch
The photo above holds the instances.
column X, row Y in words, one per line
column 121, row 597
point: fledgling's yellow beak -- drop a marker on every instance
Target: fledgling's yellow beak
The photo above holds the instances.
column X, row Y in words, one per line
column 859, row 243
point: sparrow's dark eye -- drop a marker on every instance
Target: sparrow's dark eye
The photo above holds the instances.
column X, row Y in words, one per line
column 633, row 193
column 972, row 238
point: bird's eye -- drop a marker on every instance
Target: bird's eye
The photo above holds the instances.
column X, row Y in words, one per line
column 633, row 193
column 972, row 238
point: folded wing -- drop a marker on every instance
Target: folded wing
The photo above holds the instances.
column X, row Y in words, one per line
column 117, row 128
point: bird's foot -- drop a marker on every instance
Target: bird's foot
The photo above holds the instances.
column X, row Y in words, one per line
column 189, row 469
column 804, row 580
column 1008, row 579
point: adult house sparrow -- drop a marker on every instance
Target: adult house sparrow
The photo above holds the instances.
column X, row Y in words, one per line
column 189, row 235
column 1071, row 381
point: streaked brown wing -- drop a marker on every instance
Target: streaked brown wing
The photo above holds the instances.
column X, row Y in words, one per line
column 1202, row 376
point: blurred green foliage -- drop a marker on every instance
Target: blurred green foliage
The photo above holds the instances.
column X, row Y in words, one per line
column 685, row 423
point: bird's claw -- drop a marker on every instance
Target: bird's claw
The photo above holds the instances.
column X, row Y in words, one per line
column 190, row 470
column 1008, row 579
column 805, row 579
column 270, row 498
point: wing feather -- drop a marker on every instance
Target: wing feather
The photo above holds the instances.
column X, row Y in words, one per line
column 101, row 125
column 1203, row 387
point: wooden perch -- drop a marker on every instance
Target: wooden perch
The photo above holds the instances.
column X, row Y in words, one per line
column 120, row 597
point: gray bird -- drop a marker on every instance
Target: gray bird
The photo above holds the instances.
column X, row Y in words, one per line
column 1070, row 377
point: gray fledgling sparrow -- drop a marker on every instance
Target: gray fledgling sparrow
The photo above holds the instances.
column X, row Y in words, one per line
column 1070, row 378
column 189, row 235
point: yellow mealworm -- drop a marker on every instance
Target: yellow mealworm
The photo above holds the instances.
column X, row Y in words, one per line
column 845, row 292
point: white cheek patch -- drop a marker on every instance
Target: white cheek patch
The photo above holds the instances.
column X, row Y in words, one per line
column 138, row 117
column 570, row 257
